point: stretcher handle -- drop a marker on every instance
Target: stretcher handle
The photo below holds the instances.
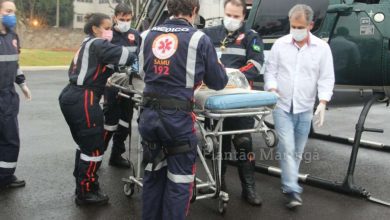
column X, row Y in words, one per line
column 127, row 90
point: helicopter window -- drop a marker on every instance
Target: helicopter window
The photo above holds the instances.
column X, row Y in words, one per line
column 272, row 16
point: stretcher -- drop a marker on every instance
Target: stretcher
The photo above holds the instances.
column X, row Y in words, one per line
column 216, row 106
column 233, row 101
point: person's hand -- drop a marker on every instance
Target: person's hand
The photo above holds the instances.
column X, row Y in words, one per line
column 26, row 91
column 320, row 114
column 274, row 91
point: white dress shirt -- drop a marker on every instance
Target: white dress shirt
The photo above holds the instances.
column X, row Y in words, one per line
column 298, row 74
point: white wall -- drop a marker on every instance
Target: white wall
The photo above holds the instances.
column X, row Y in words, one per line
column 211, row 9
column 83, row 8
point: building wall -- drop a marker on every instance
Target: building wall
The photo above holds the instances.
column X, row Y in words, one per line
column 211, row 10
column 51, row 38
column 83, row 7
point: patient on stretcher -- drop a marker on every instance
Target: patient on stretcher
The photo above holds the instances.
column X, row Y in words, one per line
column 236, row 95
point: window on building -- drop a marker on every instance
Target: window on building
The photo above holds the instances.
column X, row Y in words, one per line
column 103, row 1
column 80, row 18
column 87, row 1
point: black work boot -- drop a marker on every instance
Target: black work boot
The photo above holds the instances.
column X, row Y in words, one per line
column 246, row 173
column 117, row 160
column 13, row 182
column 96, row 197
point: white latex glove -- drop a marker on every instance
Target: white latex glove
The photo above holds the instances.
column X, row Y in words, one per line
column 26, row 91
column 320, row 114
column 109, row 82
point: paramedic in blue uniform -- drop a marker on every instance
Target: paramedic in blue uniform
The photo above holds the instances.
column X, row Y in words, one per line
column 79, row 102
column 240, row 48
column 118, row 111
column 174, row 59
column 9, row 99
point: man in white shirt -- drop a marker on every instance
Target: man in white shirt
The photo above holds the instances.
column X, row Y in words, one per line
column 299, row 67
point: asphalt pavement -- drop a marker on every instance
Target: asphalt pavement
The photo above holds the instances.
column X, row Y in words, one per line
column 47, row 157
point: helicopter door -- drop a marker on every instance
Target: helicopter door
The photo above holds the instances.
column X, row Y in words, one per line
column 357, row 51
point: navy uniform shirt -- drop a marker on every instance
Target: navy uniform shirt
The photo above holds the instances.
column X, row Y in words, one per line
column 89, row 64
column 242, row 50
column 175, row 58
column 130, row 39
column 9, row 61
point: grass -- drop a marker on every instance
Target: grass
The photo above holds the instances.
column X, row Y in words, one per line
column 41, row 57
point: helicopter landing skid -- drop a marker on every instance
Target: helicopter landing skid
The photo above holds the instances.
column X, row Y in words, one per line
column 347, row 186
column 363, row 143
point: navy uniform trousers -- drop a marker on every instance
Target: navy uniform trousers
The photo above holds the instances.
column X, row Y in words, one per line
column 82, row 112
column 168, row 185
column 9, row 134
column 118, row 113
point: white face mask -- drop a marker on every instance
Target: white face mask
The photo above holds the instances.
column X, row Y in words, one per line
column 298, row 34
column 231, row 24
column 123, row 26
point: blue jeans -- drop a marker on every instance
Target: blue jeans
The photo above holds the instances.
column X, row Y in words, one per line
column 293, row 131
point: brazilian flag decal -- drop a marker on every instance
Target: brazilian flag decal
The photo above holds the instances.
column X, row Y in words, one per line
column 256, row 48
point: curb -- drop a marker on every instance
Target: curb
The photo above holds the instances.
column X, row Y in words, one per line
column 43, row 68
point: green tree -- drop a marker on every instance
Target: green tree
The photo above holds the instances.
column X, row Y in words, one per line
column 44, row 11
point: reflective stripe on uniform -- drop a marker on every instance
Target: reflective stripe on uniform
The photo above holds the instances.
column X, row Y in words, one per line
column 132, row 49
column 191, row 58
column 123, row 123
column 181, row 178
column 92, row 159
column 159, row 166
column 9, row 58
column 124, row 56
column 141, row 55
column 257, row 65
column 110, row 127
column 7, row 165
column 84, row 63
column 232, row 51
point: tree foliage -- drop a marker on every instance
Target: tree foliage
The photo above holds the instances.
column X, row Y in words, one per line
column 44, row 11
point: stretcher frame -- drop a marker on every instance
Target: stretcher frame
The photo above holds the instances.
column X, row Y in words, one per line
column 210, row 143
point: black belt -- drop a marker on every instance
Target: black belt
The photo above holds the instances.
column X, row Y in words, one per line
column 164, row 151
column 96, row 89
column 179, row 148
column 166, row 103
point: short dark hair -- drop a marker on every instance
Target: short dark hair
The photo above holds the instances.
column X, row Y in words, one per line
column 123, row 9
column 183, row 7
column 94, row 19
column 239, row 3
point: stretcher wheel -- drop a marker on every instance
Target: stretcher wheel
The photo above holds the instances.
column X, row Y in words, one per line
column 128, row 189
column 271, row 138
column 222, row 206
column 211, row 144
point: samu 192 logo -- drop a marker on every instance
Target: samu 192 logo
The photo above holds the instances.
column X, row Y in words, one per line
column 165, row 46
